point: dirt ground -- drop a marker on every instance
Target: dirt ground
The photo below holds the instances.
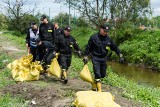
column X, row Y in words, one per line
column 49, row 91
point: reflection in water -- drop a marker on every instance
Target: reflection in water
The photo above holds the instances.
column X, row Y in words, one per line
column 140, row 75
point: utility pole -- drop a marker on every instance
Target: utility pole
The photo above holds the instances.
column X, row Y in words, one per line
column 74, row 17
column 49, row 13
column 61, row 13
column 69, row 14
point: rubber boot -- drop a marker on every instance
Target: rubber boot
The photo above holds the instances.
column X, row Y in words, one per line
column 94, row 86
column 99, row 87
column 64, row 76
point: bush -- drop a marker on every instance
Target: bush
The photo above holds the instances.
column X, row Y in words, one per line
column 143, row 48
column 124, row 32
column 16, row 33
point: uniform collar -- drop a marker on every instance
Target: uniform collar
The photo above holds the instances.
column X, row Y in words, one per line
column 66, row 36
column 101, row 36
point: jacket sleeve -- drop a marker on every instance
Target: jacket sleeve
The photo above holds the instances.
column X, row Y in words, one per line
column 47, row 51
column 40, row 32
column 53, row 32
column 57, row 44
column 45, row 54
column 88, row 47
column 28, row 38
column 75, row 45
column 115, row 48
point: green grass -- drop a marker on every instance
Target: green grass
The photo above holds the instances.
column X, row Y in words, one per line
column 148, row 95
column 82, row 35
column 5, row 79
column 8, row 101
column 20, row 41
column 4, row 72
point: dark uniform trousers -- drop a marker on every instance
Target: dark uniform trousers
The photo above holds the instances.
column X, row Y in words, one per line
column 33, row 51
column 99, row 66
column 49, row 58
column 65, row 61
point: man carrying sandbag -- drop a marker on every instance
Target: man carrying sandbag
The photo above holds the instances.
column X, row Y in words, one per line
column 98, row 46
column 48, row 54
column 64, row 45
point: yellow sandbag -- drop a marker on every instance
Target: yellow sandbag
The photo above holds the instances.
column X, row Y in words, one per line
column 13, row 64
column 27, row 75
column 94, row 99
column 22, row 75
column 24, row 69
column 14, row 72
column 54, row 68
column 34, row 72
column 26, row 63
column 33, row 75
column 86, row 75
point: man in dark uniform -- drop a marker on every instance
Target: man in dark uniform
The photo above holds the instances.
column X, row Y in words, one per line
column 64, row 46
column 46, row 30
column 48, row 53
column 98, row 46
column 57, row 31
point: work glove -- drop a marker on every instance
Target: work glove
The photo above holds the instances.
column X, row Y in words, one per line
column 54, row 54
column 121, row 59
column 79, row 53
column 85, row 60
column 42, row 62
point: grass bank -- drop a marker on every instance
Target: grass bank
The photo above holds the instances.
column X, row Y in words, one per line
column 6, row 100
column 147, row 95
column 142, row 48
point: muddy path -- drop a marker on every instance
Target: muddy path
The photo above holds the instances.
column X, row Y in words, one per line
column 50, row 91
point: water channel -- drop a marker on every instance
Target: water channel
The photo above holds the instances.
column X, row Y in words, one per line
column 139, row 75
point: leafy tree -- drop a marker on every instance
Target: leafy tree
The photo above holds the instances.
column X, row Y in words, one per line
column 98, row 11
column 157, row 21
column 15, row 15
column 3, row 23
column 82, row 22
column 62, row 19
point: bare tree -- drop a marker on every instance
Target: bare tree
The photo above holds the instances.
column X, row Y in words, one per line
column 14, row 12
column 98, row 11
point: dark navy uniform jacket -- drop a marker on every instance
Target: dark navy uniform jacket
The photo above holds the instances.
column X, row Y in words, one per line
column 57, row 33
column 65, row 43
column 47, row 48
column 46, row 32
column 99, row 46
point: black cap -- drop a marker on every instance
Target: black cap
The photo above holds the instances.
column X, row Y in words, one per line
column 38, row 40
column 33, row 23
column 105, row 27
column 43, row 17
column 67, row 28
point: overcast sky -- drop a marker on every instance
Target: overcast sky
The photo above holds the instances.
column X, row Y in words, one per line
column 43, row 6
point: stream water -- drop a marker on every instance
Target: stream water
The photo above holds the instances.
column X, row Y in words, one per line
column 140, row 75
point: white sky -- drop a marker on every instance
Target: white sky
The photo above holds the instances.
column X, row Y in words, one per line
column 43, row 6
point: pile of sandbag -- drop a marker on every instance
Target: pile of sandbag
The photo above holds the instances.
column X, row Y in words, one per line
column 94, row 99
column 24, row 69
